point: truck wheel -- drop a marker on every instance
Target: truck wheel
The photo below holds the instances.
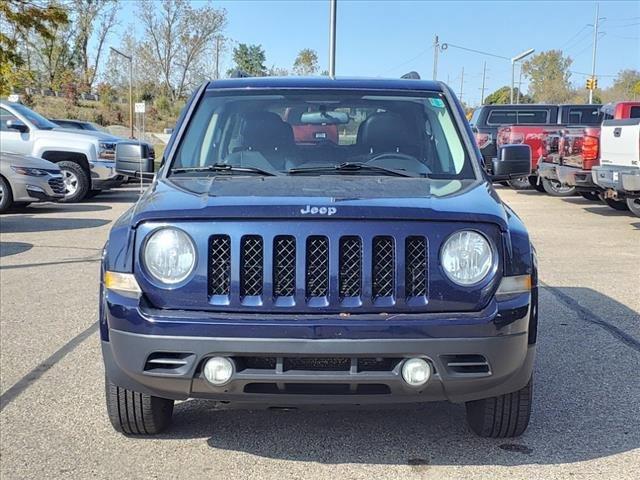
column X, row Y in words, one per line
column 593, row 196
column 6, row 196
column 620, row 205
column 503, row 416
column 134, row 413
column 76, row 181
column 556, row 189
column 521, row 183
column 533, row 181
column 634, row 206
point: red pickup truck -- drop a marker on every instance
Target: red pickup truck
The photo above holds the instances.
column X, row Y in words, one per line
column 578, row 150
column 537, row 137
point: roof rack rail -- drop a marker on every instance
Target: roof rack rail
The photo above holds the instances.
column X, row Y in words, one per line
column 411, row 75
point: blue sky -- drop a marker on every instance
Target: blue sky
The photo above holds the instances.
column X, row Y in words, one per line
column 389, row 38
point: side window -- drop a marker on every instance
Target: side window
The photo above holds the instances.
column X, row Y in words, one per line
column 501, row 117
column 584, row 116
column 526, row 117
column 634, row 112
column 475, row 117
column 5, row 116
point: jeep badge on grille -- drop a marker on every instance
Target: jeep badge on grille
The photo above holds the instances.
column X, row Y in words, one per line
column 309, row 210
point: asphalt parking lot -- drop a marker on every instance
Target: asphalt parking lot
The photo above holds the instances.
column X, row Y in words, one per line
column 585, row 424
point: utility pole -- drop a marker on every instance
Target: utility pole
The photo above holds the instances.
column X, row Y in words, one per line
column 595, row 49
column 332, row 37
column 436, row 47
column 461, row 84
column 484, row 76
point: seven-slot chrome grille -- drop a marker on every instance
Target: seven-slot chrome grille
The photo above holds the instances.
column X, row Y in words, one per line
column 318, row 270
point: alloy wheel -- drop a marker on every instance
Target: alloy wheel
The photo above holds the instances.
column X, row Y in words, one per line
column 70, row 182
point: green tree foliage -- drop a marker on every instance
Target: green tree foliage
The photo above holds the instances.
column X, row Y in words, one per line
column 306, row 62
column 249, row 59
column 626, row 86
column 502, row 96
column 19, row 19
column 549, row 77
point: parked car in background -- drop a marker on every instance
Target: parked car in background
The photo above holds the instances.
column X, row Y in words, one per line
column 530, row 124
column 24, row 180
column 618, row 174
column 380, row 270
column 86, row 158
column 579, row 152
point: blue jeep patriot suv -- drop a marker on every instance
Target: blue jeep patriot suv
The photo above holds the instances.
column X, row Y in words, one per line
column 321, row 241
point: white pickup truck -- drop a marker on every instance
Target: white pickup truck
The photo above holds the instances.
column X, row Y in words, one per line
column 86, row 158
column 619, row 171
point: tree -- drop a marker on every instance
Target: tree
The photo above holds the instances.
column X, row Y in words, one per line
column 277, row 72
column 306, row 62
column 18, row 20
column 178, row 38
column 249, row 59
column 549, row 74
column 502, row 96
column 93, row 19
column 626, row 86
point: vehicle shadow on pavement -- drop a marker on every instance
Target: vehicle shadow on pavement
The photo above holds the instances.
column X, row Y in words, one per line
column 30, row 223
column 62, row 208
column 586, row 404
column 14, row 248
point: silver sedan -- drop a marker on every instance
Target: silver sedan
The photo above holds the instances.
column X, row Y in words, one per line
column 25, row 179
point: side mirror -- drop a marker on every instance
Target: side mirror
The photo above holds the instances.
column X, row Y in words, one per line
column 513, row 161
column 135, row 160
column 17, row 125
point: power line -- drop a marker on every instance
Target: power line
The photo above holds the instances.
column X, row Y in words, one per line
column 474, row 51
column 574, row 36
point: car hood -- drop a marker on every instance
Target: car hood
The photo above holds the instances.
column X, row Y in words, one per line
column 329, row 197
column 18, row 160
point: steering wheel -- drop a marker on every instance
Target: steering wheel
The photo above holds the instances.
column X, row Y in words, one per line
column 401, row 161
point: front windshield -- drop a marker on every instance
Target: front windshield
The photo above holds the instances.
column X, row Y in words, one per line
column 36, row 119
column 323, row 132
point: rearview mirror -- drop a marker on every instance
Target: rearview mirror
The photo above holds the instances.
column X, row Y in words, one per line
column 135, row 160
column 513, row 161
column 17, row 125
column 325, row 118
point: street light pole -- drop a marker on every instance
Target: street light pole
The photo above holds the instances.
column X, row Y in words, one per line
column 513, row 68
column 436, row 47
column 332, row 37
column 130, row 58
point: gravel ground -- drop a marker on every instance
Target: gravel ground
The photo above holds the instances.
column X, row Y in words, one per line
column 586, row 420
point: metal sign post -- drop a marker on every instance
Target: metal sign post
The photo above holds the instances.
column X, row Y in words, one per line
column 140, row 109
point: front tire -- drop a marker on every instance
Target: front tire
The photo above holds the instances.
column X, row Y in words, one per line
column 556, row 189
column 76, row 181
column 634, row 206
column 6, row 196
column 502, row 416
column 134, row 413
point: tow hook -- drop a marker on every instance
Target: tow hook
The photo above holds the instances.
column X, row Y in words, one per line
column 611, row 194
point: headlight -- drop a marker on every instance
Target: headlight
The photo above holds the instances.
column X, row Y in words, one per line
column 466, row 257
column 32, row 172
column 169, row 255
column 107, row 150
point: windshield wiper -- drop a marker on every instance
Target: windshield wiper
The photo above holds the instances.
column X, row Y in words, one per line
column 223, row 167
column 350, row 167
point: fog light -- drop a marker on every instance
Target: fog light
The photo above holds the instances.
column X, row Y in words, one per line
column 416, row 371
column 218, row 370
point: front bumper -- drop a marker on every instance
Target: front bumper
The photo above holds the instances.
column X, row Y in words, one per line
column 576, row 177
column 104, row 175
column 476, row 355
column 26, row 188
column 621, row 179
column 548, row 171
